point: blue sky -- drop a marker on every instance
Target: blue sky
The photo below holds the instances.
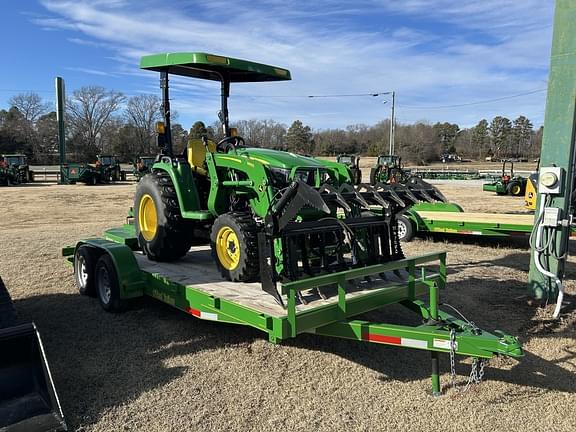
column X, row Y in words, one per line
column 440, row 56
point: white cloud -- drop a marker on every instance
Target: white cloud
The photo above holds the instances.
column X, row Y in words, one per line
column 474, row 51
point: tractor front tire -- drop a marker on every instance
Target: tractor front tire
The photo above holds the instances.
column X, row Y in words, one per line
column 373, row 173
column 234, row 245
column 163, row 234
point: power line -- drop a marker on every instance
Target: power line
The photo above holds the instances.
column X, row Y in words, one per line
column 375, row 94
column 414, row 107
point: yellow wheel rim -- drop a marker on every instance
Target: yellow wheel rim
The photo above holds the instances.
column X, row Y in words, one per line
column 228, row 248
column 515, row 190
column 147, row 218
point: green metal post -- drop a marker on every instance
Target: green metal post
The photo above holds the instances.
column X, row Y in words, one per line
column 60, row 110
column 434, row 355
column 559, row 133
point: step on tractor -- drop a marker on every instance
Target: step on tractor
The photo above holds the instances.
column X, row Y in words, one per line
column 353, row 164
column 508, row 183
column 28, row 399
column 18, row 163
column 267, row 213
column 142, row 166
column 106, row 169
column 389, row 169
column 274, row 240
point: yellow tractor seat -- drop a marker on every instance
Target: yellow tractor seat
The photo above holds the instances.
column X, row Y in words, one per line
column 197, row 154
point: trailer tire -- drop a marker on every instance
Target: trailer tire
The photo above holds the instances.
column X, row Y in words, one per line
column 84, row 263
column 405, row 228
column 7, row 310
column 234, row 245
column 373, row 172
column 514, row 188
column 108, row 285
column 163, row 234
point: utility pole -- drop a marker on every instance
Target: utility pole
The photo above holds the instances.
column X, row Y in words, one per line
column 392, row 123
column 60, row 111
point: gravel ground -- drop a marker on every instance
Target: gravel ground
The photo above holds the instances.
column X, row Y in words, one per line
column 156, row 369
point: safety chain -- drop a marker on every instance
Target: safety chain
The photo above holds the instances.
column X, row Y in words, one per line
column 476, row 373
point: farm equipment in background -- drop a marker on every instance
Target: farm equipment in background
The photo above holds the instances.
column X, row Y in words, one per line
column 142, row 166
column 8, row 175
column 18, row 163
column 28, row 399
column 106, row 169
column 353, row 164
column 508, row 183
column 389, row 169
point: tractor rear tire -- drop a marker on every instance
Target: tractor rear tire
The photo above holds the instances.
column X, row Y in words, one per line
column 84, row 263
column 514, row 188
column 163, row 234
column 234, row 245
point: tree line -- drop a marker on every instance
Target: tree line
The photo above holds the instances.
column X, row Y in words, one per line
column 103, row 121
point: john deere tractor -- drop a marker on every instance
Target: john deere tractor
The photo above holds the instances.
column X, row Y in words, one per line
column 389, row 169
column 142, row 166
column 353, row 164
column 267, row 214
column 18, row 163
column 508, row 183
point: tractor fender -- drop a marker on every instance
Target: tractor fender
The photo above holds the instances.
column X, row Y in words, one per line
column 130, row 277
column 184, row 185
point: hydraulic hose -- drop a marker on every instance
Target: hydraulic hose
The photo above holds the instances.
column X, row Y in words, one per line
column 538, row 251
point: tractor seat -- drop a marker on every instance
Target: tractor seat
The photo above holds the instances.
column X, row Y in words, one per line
column 197, row 154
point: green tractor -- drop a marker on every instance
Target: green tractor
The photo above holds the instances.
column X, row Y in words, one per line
column 268, row 215
column 18, row 165
column 142, row 166
column 508, row 183
column 106, row 169
column 389, row 169
column 353, row 164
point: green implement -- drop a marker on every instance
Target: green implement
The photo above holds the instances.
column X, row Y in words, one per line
column 508, row 183
column 105, row 170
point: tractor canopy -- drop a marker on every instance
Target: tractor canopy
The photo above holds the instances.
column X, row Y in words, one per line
column 16, row 159
column 213, row 67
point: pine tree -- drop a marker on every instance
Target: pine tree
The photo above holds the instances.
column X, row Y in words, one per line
column 500, row 134
column 522, row 133
column 299, row 138
column 480, row 137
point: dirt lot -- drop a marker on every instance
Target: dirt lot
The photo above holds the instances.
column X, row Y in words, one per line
column 156, row 369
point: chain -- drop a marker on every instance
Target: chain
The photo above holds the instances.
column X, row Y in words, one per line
column 476, row 373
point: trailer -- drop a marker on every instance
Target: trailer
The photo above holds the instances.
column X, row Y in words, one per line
column 113, row 269
column 450, row 218
column 105, row 170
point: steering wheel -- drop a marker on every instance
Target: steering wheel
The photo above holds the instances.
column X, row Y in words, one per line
column 230, row 143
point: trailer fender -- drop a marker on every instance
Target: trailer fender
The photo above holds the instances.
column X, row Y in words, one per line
column 130, row 277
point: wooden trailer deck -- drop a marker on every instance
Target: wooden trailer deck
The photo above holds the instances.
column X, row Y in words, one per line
column 197, row 270
column 480, row 218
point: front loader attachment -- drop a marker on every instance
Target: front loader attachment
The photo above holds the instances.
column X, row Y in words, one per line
column 313, row 231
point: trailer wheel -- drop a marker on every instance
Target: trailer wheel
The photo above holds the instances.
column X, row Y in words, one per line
column 84, row 263
column 234, row 245
column 163, row 234
column 405, row 228
column 514, row 188
column 108, row 285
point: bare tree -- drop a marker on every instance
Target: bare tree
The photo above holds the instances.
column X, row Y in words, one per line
column 143, row 112
column 89, row 110
column 30, row 106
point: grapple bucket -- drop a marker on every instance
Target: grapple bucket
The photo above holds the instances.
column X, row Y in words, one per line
column 28, row 400
column 327, row 229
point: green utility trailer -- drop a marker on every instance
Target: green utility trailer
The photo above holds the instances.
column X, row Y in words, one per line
column 18, row 164
column 353, row 164
column 508, row 183
column 142, row 166
column 114, row 270
column 106, row 169
column 450, row 218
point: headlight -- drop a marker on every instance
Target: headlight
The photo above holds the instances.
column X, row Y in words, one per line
column 280, row 177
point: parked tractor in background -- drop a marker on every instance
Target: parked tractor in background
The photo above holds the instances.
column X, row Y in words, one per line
column 508, row 183
column 389, row 169
column 142, row 166
column 353, row 164
column 106, row 169
column 19, row 165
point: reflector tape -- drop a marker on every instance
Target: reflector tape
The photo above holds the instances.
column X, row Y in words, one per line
column 203, row 315
column 393, row 340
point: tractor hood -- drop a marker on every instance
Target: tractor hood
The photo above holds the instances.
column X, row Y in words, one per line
column 280, row 159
